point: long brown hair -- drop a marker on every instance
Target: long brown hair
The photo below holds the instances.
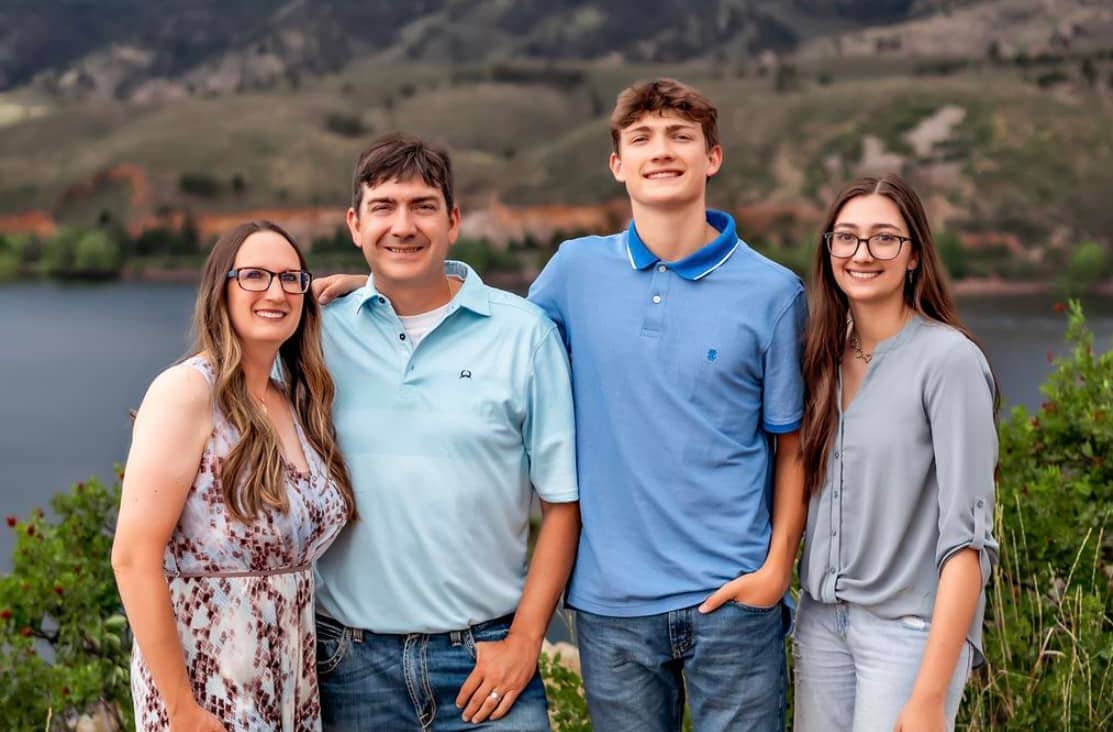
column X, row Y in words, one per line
column 254, row 473
column 926, row 291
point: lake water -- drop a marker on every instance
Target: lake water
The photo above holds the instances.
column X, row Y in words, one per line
column 75, row 359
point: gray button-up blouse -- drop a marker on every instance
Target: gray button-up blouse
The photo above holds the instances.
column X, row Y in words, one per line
column 909, row 478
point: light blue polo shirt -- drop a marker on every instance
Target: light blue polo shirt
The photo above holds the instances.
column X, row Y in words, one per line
column 681, row 371
column 445, row 444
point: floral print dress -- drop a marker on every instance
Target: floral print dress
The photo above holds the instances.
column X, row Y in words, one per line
column 242, row 595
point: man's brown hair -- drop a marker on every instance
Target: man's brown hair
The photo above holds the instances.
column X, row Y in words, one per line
column 661, row 95
column 402, row 157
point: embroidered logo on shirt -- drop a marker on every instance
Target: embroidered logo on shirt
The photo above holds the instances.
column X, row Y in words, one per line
column 712, row 354
column 465, row 374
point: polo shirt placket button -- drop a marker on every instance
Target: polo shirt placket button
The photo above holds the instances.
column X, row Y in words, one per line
column 661, row 268
column 656, row 299
column 401, row 336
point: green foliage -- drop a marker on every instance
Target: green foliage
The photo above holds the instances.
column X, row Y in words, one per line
column 9, row 260
column 346, row 125
column 483, row 256
column 75, row 251
column 95, row 251
column 200, row 184
column 166, row 240
column 1087, row 265
column 1049, row 632
column 952, row 254
column 62, row 632
column 1057, row 462
column 564, row 690
column 340, row 241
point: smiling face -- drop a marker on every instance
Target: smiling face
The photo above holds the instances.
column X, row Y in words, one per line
column 862, row 278
column 404, row 229
column 664, row 160
column 270, row 316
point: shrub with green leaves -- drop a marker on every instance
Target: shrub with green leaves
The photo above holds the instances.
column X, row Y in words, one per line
column 1088, row 264
column 62, row 631
column 565, row 692
column 1049, row 630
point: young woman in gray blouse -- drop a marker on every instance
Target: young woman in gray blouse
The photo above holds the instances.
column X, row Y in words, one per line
column 900, row 449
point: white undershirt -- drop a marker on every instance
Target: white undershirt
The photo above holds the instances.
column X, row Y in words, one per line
column 419, row 326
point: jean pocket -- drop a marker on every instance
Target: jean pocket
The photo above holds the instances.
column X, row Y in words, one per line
column 486, row 634
column 330, row 652
column 755, row 609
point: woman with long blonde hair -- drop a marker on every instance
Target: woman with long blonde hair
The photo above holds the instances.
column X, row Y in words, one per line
column 900, row 450
column 233, row 487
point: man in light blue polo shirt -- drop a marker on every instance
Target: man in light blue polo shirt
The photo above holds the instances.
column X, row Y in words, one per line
column 453, row 407
column 685, row 347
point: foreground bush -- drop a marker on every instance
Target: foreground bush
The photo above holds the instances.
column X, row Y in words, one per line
column 1049, row 625
column 62, row 649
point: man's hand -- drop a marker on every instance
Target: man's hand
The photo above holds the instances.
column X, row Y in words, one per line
column 763, row 588
column 502, row 670
column 922, row 714
column 327, row 289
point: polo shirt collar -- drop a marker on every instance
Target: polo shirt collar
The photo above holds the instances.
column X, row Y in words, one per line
column 699, row 263
column 472, row 295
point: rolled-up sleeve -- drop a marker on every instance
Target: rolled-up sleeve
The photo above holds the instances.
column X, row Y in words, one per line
column 549, row 430
column 959, row 403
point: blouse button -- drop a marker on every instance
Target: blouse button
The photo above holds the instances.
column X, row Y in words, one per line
column 980, row 503
column 836, row 454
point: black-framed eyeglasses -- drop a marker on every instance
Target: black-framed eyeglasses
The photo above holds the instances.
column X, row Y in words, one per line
column 844, row 244
column 257, row 279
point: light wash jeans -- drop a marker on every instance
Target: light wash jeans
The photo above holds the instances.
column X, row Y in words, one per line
column 730, row 664
column 855, row 670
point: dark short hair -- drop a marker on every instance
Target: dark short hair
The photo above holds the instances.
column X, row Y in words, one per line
column 398, row 156
column 661, row 95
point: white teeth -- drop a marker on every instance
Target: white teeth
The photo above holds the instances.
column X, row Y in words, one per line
column 862, row 275
column 408, row 250
column 664, row 174
column 270, row 314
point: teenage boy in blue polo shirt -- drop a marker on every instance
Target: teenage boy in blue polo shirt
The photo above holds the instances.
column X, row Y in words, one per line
column 685, row 349
column 453, row 406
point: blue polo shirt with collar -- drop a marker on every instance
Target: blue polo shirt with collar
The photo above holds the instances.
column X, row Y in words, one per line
column 446, row 444
column 681, row 372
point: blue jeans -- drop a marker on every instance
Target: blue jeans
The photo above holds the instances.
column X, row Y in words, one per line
column 372, row 681
column 855, row 670
column 730, row 663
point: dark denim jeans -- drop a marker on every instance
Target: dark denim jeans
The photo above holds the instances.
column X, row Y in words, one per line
column 396, row 683
column 730, row 663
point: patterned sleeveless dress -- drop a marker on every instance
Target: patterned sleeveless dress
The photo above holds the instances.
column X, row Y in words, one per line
column 243, row 596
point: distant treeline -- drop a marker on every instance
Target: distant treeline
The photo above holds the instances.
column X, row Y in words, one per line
column 107, row 251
